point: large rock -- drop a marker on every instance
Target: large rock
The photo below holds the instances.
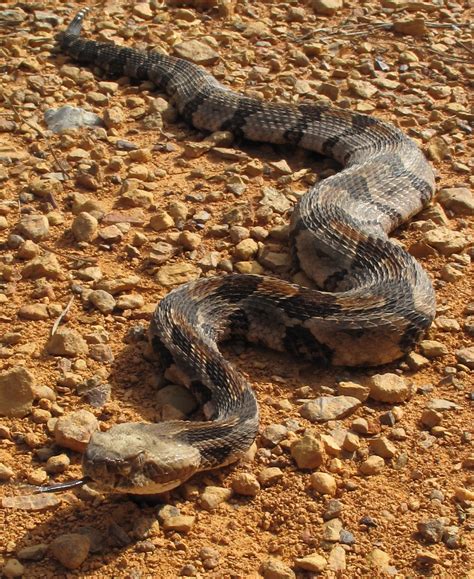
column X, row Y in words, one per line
column 390, row 388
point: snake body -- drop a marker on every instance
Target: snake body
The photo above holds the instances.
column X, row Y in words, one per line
column 374, row 300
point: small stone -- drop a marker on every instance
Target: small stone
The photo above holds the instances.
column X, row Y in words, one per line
column 179, row 523
column 431, row 418
column 16, row 392
column 57, row 463
column 84, row 227
column 34, row 227
column 6, row 473
column 382, row 447
column 269, row 476
column 329, row 408
column 427, row 558
column 246, row 250
column 197, row 52
column 414, row 26
column 313, row 562
column 33, row 552
column 372, row 466
column 337, row 559
column 446, row 241
column 442, row 405
column 378, row 558
column 70, row 549
column 68, row 117
column 324, row 483
column 354, row 390
column 245, row 484
column 273, row 434
column 13, row 568
column 177, row 274
column 431, row 530
column 308, row 452
column 130, row 302
column 212, row 497
column 175, row 402
column 34, row 312
column 75, row 429
column 326, row 7
column 458, row 199
column 161, row 221
column 276, row 569
column 433, row 349
column 416, row 361
column 333, row 509
column 390, row 388
column 463, row 494
column 44, row 266
column 189, row 240
column 332, row 530
column 67, row 342
column 111, row 234
column 466, row 356
column 102, row 300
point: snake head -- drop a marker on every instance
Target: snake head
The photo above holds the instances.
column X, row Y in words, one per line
column 140, row 458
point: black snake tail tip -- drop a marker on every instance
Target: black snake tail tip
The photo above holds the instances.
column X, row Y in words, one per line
column 75, row 27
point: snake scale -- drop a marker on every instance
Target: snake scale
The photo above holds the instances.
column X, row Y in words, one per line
column 373, row 301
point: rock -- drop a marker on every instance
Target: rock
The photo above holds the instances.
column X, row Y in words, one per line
column 102, row 300
column 16, row 392
column 33, row 552
column 382, row 447
column 379, row 559
column 175, row 402
column 329, row 408
column 431, row 530
column 6, row 473
column 276, row 569
column 269, row 476
column 245, row 484
column 111, row 234
column 57, row 463
column 458, row 199
column 179, row 523
column 466, row 356
column 433, row 348
column 212, row 497
column 362, row 88
column 275, row 200
column 324, row 483
column 196, row 51
column 75, row 429
column 337, row 559
column 308, row 452
column 67, row 117
column 279, row 262
column 463, row 494
column 13, row 568
column 332, row 530
column 273, row 434
column 353, row 390
column 84, row 227
column 70, row 549
column 177, row 274
column 414, row 26
column 390, row 388
column 326, row 7
column 446, row 241
column 67, row 342
column 33, row 312
column 313, row 562
column 34, row 227
column 130, row 302
column 245, row 250
column 442, row 405
column 161, row 220
column 44, row 266
column 372, row 466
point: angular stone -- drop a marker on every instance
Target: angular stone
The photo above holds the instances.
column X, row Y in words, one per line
column 67, row 342
column 313, row 562
column 212, row 497
column 74, row 430
column 70, row 549
column 44, row 266
column 16, row 392
column 326, row 7
column 329, row 408
column 466, row 356
column 308, row 452
column 245, row 484
column 34, row 227
column 177, row 274
column 196, row 51
column 458, row 199
column 390, row 388
column 446, row 241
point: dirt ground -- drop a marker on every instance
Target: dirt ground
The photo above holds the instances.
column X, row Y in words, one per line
column 403, row 61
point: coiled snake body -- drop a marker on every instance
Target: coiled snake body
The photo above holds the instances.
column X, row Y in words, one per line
column 380, row 300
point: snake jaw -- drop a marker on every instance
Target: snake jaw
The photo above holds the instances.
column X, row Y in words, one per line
column 139, row 459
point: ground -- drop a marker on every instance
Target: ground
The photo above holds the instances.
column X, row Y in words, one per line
column 145, row 202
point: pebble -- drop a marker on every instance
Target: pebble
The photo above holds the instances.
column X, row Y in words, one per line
column 130, row 302
column 353, row 390
column 269, row 476
column 102, row 300
column 332, row 530
column 446, row 241
column 245, row 484
column 34, row 227
column 313, row 562
column 179, row 523
column 196, row 51
column 67, row 342
column 84, row 227
column 329, row 408
column 275, row 569
column 323, row 483
column 433, row 349
column 43, row 266
column 175, row 402
column 458, row 199
column 332, row 509
column 431, row 530
column 17, row 392
column 177, row 274
column 337, row 559
column 212, row 497
column 70, row 549
column 6, row 473
column 372, row 466
column 68, row 117
column 273, row 434
column 308, row 452
column 390, row 388
column 379, row 559
column 75, row 429
column 13, row 568
column 57, row 463
column 33, row 552
column 382, row 447
column 466, row 356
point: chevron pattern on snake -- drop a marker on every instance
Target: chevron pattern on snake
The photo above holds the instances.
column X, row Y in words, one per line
column 374, row 300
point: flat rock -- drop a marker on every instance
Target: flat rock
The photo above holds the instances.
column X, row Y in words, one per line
column 275, row 200
column 275, row 569
column 67, row 117
column 212, row 497
column 442, row 405
column 16, row 392
column 70, row 549
column 102, row 300
column 446, row 241
column 313, row 562
column 245, row 484
column 466, row 356
column 43, row 266
column 74, row 430
column 67, row 342
column 308, row 451
column 329, row 408
column 326, row 7
column 459, row 200
column 34, row 227
column 177, row 274
column 390, row 388
column 196, row 51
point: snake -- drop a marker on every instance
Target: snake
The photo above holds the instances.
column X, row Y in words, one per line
column 369, row 302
